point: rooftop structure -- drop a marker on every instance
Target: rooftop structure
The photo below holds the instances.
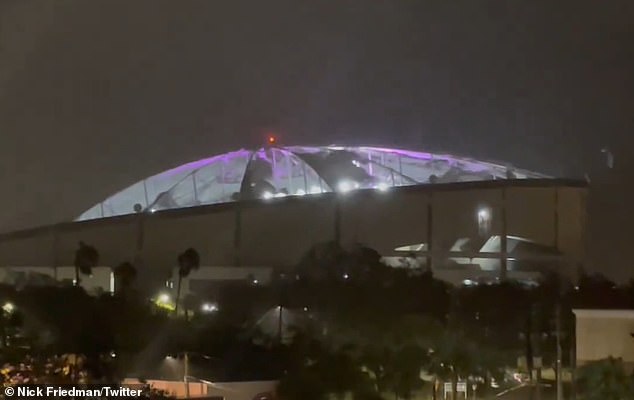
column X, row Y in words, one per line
column 294, row 171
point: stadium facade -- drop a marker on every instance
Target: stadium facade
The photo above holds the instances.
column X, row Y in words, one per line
column 251, row 212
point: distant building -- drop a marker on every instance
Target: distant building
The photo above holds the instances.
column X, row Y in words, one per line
column 605, row 333
column 468, row 221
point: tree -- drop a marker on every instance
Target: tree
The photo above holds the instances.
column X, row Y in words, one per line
column 317, row 370
column 124, row 275
column 322, row 261
column 381, row 320
column 394, row 368
column 605, row 380
column 86, row 258
column 188, row 261
column 453, row 357
column 597, row 291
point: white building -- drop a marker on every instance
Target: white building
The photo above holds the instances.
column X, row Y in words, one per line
column 605, row 333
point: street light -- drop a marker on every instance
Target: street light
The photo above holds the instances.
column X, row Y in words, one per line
column 186, row 375
column 209, row 307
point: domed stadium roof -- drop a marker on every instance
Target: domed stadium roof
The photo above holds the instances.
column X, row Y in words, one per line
column 294, row 171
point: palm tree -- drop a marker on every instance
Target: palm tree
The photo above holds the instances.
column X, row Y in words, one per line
column 188, row 261
column 86, row 258
column 124, row 274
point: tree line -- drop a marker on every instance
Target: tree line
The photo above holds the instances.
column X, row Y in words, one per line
column 359, row 328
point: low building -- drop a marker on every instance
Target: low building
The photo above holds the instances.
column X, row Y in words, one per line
column 201, row 389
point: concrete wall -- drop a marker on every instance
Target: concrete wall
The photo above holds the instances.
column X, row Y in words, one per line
column 605, row 333
column 277, row 232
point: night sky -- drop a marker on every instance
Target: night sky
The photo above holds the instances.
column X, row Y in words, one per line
column 96, row 95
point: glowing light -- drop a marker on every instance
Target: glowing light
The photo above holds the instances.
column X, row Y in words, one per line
column 8, row 307
column 484, row 221
column 255, row 281
column 383, row 186
column 267, row 195
column 346, row 276
column 345, row 186
column 271, row 139
column 164, row 301
column 208, row 307
column 280, row 194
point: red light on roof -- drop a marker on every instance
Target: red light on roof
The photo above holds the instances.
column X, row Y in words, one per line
column 272, row 139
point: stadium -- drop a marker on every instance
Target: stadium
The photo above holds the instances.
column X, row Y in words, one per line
column 251, row 212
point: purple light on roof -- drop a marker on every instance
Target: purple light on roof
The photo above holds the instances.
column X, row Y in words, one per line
column 416, row 168
column 262, row 155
